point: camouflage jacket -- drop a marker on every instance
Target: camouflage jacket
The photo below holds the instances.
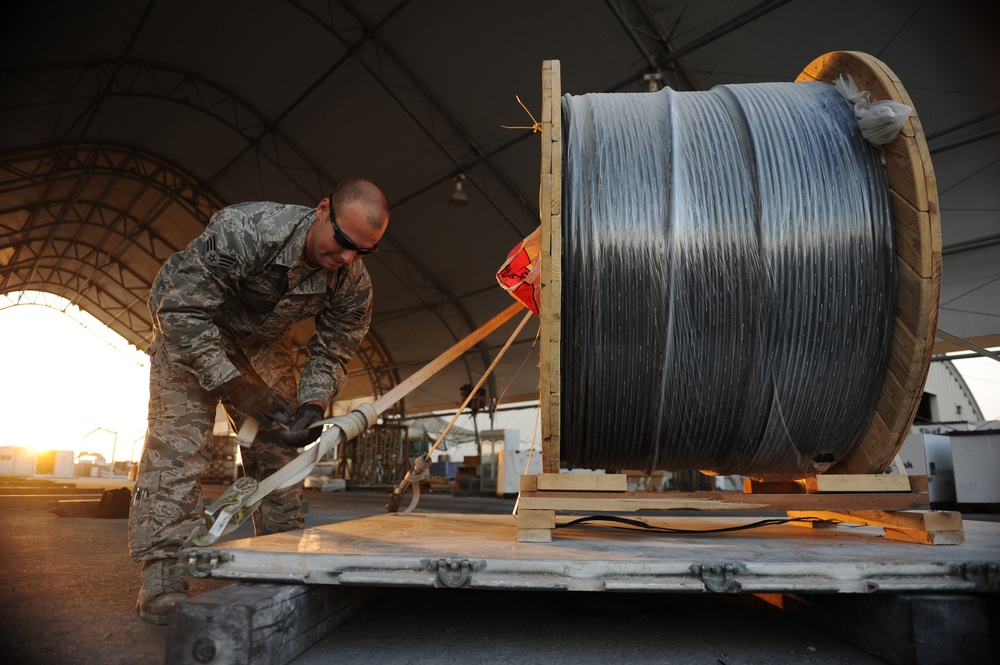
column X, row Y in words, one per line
column 244, row 282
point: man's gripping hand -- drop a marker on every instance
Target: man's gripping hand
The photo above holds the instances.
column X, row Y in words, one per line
column 301, row 433
column 253, row 398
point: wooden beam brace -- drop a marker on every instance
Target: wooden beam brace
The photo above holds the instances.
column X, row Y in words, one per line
column 857, row 482
column 256, row 623
column 839, row 483
column 712, row 501
column 925, row 527
column 581, row 482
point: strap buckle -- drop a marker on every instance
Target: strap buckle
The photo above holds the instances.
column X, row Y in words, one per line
column 230, row 510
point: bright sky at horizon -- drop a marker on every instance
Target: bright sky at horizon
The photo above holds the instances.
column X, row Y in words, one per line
column 70, row 387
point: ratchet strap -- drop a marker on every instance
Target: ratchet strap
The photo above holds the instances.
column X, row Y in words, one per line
column 412, row 478
column 239, row 501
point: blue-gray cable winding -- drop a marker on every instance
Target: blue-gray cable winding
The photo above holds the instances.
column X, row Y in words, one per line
column 728, row 280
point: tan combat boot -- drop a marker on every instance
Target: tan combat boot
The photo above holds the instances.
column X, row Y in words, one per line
column 162, row 587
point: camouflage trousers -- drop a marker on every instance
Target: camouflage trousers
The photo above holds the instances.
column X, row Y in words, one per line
column 167, row 497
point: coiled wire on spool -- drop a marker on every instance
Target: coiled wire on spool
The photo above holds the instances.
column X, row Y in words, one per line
column 728, row 281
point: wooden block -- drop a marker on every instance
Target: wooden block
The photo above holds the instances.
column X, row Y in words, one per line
column 921, row 527
column 536, row 519
column 858, row 483
column 751, row 486
column 929, row 520
column 926, row 537
column 256, row 623
column 914, row 520
column 582, row 482
column 534, row 535
column 529, row 483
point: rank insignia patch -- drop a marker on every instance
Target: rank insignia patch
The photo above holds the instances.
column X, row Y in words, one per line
column 214, row 258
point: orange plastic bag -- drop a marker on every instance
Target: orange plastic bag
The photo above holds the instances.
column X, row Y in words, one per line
column 521, row 274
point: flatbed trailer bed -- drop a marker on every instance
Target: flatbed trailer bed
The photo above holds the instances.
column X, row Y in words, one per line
column 481, row 551
column 906, row 603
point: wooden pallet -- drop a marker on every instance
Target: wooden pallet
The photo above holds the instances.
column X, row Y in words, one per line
column 897, row 503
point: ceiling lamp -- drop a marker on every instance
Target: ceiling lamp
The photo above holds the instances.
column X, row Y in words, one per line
column 458, row 195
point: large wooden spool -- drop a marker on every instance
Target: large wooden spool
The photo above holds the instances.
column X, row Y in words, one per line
column 917, row 231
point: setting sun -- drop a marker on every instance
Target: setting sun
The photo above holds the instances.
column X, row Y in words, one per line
column 70, row 382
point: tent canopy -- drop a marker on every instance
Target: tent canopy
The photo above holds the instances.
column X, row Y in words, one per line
column 124, row 124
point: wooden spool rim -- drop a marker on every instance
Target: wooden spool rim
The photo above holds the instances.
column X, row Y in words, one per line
column 917, row 233
column 916, row 230
column 550, row 214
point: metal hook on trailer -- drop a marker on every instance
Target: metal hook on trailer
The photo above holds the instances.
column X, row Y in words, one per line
column 412, row 480
column 419, row 471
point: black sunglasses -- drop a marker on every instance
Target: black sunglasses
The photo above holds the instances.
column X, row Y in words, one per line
column 344, row 241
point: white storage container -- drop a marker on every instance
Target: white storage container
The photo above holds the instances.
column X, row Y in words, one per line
column 976, row 456
column 930, row 455
column 17, row 461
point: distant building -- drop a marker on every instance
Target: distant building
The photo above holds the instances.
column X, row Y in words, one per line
column 947, row 398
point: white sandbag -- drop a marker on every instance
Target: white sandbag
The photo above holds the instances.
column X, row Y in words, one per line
column 880, row 122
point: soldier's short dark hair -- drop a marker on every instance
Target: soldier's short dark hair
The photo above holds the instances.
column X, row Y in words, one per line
column 365, row 191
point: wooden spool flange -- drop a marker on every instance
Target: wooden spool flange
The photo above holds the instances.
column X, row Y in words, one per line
column 550, row 213
column 917, row 232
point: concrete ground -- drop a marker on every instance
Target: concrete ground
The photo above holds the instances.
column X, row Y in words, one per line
column 69, row 588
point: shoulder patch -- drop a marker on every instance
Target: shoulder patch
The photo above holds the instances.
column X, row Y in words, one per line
column 214, row 258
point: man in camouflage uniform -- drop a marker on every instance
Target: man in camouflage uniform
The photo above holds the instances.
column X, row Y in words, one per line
column 222, row 313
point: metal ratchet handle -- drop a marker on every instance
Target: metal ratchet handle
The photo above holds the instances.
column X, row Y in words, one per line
column 233, row 503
